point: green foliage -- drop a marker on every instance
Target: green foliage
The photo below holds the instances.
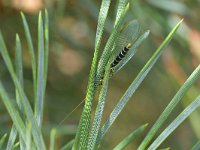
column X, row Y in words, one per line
column 182, row 116
column 27, row 121
column 176, row 99
column 23, row 115
column 19, row 73
column 52, row 139
column 84, row 125
column 31, row 52
column 196, row 146
column 2, row 140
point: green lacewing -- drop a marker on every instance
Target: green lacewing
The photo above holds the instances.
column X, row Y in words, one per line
column 128, row 36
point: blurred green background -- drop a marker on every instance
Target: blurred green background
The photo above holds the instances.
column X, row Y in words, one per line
column 72, row 36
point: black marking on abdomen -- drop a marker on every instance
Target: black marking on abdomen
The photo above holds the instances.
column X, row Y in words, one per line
column 119, row 57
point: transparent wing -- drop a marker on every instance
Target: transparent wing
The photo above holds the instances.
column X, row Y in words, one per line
column 131, row 52
column 128, row 34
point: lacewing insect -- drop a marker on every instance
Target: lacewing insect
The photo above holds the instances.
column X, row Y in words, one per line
column 128, row 36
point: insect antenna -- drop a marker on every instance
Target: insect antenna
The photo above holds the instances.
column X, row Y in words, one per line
column 68, row 115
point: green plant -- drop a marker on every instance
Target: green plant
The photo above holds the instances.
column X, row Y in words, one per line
column 89, row 138
column 28, row 123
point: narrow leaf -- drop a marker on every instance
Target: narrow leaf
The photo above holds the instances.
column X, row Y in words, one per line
column 2, row 140
column 19, row 63
column 99, row 111
column 31, row 52
column 19, row 73
column 101, row 22
column 130, row 138
column 121, row 6
column 12, row 138
column 176, row 99
column 23, row 98
column 68, row 146
column 52, row 139
column 186, row 112
column 46, row 46
column 196, row 146
column 39, row 103
column 28, row 141
column 14, row 114
column 16, row 146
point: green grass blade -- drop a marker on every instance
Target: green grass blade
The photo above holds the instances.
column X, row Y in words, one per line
column 81, row 138
column 52, row 139
column 28, row 141
column 2, row 140
column 19, row 72
column 101, row 22
column 38, row 139
column 14, row 114
column 120, row 9
column 39, row 103
column 186, row 112
column 46, row 46
column 12, row 138
column 68, row 146
column 176, row 99
column 99, row 111
column 196, row 146
column 19, row 63
column 135, row 84
column 194, row 117
column 31, row 52
column 15, row 146
column 109, row 46
column 131, row 137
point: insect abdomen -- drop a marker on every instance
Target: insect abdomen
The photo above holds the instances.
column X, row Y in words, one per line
column 119, row 57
